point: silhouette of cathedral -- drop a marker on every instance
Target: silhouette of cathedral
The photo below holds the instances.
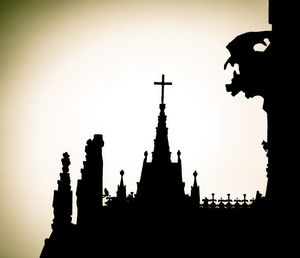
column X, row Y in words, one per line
column 160, row 206
column 160, row 189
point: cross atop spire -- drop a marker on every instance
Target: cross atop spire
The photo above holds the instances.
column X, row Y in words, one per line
column 162, row 83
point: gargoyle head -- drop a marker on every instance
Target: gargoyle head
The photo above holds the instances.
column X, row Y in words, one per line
column 254, row 66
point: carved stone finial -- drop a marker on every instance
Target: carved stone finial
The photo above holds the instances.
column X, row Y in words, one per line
column 178, row 153
column 195, row 174
column 65, row 162
column 213, row 197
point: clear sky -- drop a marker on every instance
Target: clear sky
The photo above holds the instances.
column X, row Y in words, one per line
column 71, row 69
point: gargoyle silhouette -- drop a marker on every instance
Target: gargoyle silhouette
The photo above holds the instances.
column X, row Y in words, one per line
column 254, row 66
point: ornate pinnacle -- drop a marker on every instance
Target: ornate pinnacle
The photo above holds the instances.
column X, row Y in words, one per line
column 65, row 162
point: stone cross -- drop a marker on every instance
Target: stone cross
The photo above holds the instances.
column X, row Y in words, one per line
column 162, row 83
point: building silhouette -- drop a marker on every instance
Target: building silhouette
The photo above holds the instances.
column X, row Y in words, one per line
column 160, row 194
column 160, row 210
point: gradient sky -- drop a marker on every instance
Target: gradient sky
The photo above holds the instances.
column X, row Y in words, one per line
column 71, row 69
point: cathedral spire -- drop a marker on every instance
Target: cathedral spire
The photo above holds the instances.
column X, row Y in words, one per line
column 161, row 151
column 161, row 179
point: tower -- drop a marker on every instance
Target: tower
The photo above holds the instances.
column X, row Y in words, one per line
column 89, row 187
column 62, row 200
column 61, row 240
column 161, row 180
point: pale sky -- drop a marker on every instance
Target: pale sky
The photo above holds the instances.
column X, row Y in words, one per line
column 72, row 70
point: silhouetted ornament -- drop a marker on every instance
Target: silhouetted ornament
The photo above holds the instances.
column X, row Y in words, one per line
column 178, row 153
column 244, row 204
column 212, row 200
column 162, row 83
column 195, row 174
column 221, row 203
column 65, row 162
column 237, row 203
column 228, row 204
column 205, row 203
